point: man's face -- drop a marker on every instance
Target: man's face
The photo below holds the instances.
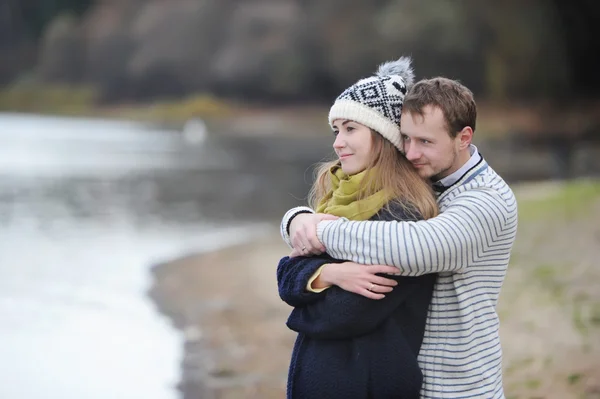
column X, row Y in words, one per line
column 428, row 145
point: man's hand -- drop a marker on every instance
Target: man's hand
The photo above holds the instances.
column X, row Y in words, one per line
column 303, row 233
column 359, row 279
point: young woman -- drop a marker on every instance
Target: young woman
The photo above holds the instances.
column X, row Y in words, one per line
column 350, row 346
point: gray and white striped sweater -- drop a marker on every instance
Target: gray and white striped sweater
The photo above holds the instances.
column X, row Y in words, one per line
column 469, row 245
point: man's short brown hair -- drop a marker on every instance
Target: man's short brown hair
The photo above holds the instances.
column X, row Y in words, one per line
column 455, row 100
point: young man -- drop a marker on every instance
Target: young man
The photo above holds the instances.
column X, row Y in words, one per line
column 468, row 244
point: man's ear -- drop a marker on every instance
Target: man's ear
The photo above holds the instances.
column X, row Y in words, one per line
column 465, row 137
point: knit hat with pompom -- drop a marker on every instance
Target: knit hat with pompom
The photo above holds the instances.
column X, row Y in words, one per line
column 376, row 101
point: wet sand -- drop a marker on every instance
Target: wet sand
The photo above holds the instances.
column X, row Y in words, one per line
column 233, row 322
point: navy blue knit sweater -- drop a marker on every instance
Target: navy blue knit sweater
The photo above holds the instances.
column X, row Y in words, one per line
column 349, row 346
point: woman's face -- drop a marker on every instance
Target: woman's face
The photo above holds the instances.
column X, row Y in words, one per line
column 353, row 145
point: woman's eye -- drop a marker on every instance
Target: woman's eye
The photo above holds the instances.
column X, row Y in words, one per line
column 349, row 128
column 335, row 133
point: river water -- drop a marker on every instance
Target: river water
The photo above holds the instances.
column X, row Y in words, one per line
column 86, row 208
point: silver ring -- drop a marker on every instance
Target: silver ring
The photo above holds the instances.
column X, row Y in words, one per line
column 371, row 287
column 303, row 249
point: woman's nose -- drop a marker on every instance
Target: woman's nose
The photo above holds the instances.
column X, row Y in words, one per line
column 339, row 142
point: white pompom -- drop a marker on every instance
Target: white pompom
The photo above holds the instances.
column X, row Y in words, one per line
column 401, row 67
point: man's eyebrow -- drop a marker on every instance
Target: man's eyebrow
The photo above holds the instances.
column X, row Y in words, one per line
column 421, row 136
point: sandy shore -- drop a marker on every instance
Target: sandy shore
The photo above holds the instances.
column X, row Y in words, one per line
column 237, row 345
column 227, row 306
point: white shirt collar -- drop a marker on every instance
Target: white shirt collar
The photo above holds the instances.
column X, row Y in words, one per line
column 454, row 177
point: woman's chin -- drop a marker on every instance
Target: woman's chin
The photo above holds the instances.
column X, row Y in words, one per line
column 351, row 170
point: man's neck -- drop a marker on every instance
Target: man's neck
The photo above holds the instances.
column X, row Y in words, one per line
column 463, row 159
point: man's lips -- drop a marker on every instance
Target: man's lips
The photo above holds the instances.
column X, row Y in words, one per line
column 418, row 165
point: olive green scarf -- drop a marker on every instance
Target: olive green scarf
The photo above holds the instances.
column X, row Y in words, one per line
column 343, row 200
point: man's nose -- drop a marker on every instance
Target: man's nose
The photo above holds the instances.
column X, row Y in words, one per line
column 412, row 153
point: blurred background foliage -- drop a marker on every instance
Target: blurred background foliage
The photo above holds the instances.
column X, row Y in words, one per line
column 293, row 51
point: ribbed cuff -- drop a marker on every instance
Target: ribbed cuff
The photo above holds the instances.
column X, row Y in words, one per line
column 321, row 228
column 287, row 219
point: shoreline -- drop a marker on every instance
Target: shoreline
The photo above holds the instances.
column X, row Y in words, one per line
column 225, row 304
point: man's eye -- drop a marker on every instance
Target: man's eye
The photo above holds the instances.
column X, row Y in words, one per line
column 425, row 141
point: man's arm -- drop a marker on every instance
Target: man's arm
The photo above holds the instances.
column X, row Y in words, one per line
column 342, row 314
column 478, row 224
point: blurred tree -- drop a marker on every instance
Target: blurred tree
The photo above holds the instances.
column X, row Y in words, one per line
column 301, row 50
column 22, row 22
column 36, row 14
column 442, row 37
column 61, row 51
column 580, row 28
column 524, row 53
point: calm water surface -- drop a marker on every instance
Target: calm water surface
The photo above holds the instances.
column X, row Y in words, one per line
column 86, row 207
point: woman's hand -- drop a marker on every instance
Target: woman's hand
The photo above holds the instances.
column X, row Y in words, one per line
column 359, row 279
column 303, row 234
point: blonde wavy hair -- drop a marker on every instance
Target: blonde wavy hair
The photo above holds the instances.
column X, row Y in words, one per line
column 388, row 170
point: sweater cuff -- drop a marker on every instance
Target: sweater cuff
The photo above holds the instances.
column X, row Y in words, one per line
column 316, row 274
column 322, row 227
column 287, row 219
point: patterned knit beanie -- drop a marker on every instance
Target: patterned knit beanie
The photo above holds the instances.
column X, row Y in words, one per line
column 376, row 101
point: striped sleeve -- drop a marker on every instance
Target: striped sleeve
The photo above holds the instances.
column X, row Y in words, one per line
column 477, row 225
column 289, row 215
